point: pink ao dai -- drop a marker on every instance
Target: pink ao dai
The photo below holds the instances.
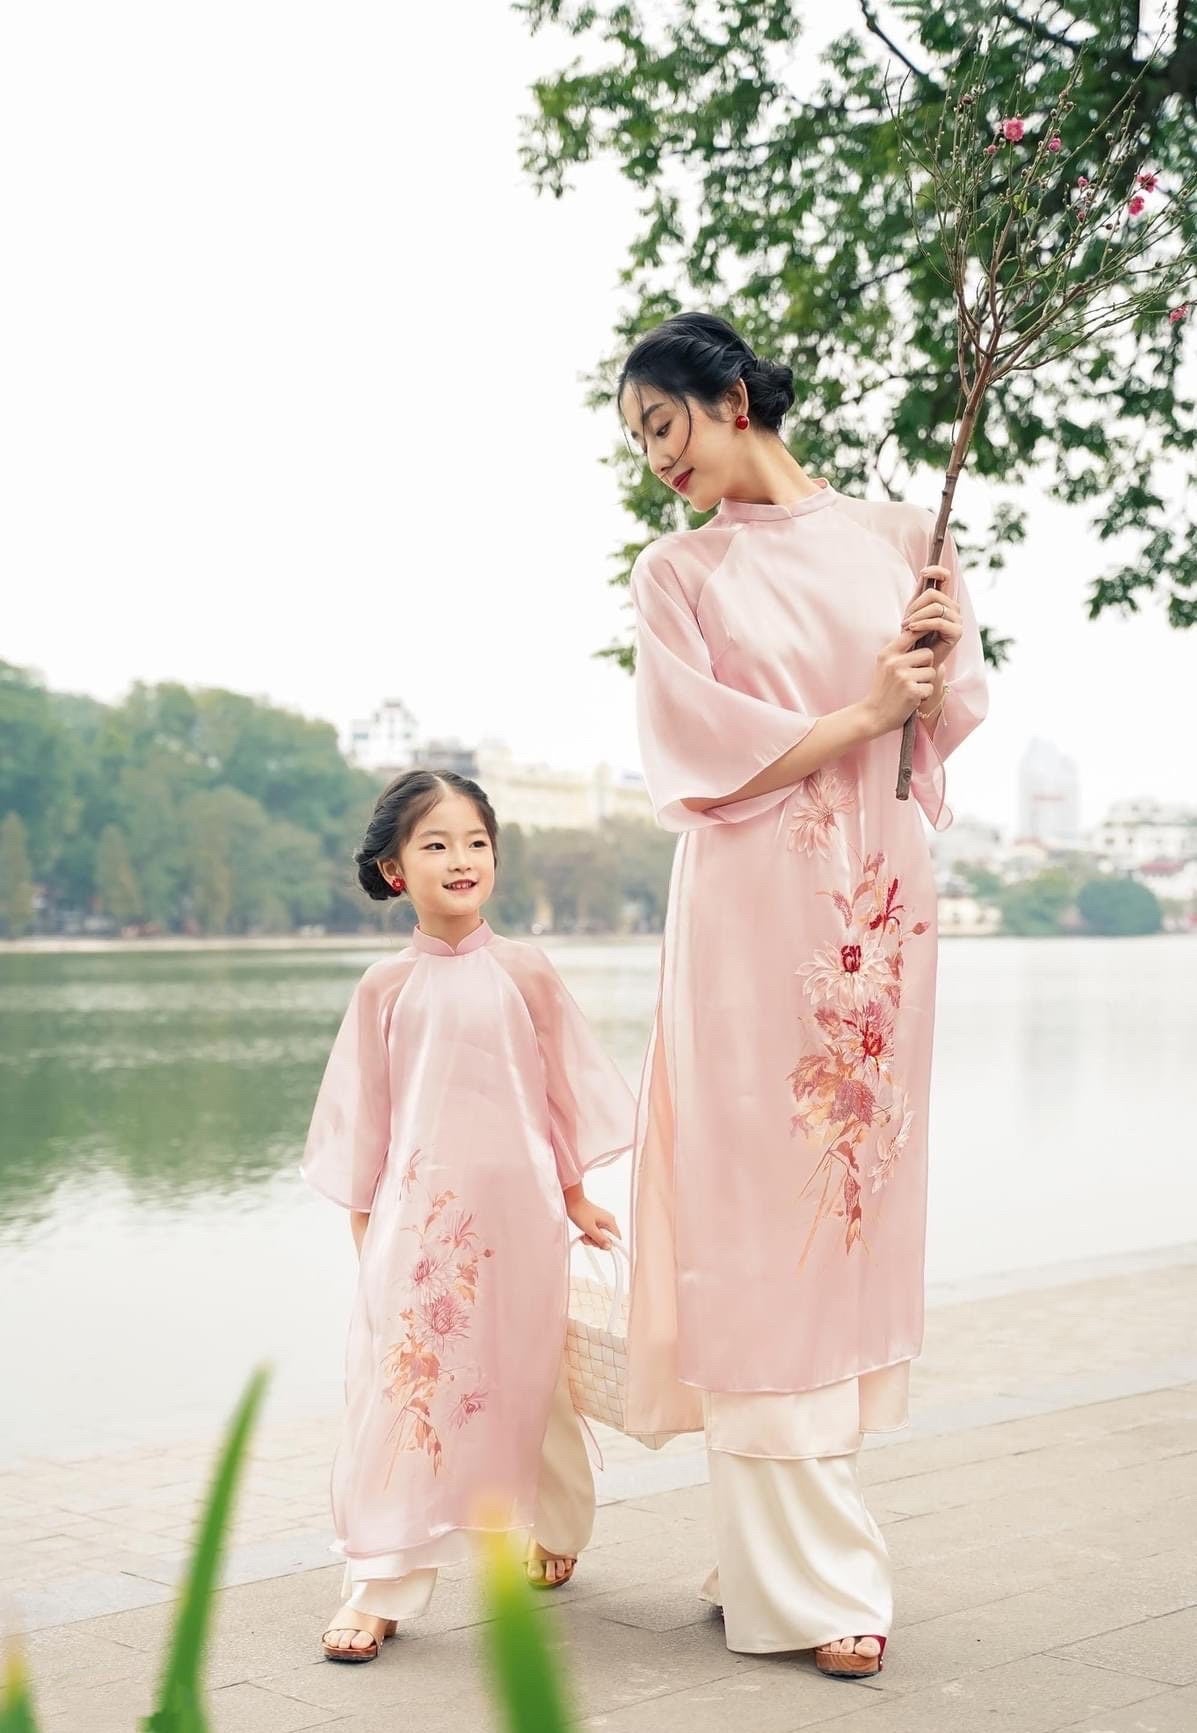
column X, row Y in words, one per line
column 781, row 1169
column 463, row 1092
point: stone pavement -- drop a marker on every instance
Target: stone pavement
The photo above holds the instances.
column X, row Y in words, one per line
column 1042, row 1517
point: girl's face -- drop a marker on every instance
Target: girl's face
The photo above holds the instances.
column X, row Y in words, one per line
column 447, row 862
column 696, row 453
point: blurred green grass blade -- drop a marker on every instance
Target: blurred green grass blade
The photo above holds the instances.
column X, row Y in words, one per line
column 16, row 1708
column 525, row 1673
column 180, row 1709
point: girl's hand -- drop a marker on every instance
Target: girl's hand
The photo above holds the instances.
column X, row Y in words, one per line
column 596, row 1225
column 933, row 611
column 905, row 679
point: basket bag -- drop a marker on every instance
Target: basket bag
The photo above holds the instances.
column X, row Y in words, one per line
column 596, row 1341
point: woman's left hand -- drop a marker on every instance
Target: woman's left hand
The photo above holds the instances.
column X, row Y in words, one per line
column 595, row 1225
column 933, row 611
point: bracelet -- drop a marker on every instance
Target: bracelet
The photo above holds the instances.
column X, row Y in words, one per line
column 923, row 716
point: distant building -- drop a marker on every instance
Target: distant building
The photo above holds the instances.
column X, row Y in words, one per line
column 968, row 917
column 446, row 755
column 1172, row 881
column 1049, row 796
column 969, row 842
column 540, row 797
column 534, row 796
column 1136, row 833
column 386, row 740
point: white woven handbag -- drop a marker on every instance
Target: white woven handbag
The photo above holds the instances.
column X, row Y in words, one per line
column 596, row 1341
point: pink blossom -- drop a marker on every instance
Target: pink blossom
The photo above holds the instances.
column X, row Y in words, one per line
column 891, row 1149
column 1137, row 204
column 444, row 1318
column 1178, row 313
column 1082, row 181
column 1149, row 182
column 425, row 1271
column 1013, row 129
column 471, row 1403
column 821, row 798
column 991, row 150
column 1055, row 142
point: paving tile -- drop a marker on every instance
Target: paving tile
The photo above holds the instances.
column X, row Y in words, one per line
column 1171, row 1712
column 1039, row 1695
column 1163, row 1648
column 778, row 1695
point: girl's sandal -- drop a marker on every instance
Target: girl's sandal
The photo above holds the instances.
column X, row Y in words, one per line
column 354, row 1653
column 537, row 1571
column 847, row 1664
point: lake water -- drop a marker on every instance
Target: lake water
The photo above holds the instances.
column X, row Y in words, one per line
column 156, row 1240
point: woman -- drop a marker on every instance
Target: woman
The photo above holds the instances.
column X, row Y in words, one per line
column 780, row 1187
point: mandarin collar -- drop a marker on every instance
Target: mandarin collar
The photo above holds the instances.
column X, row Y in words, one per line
column 431, row 947
column 746, row 511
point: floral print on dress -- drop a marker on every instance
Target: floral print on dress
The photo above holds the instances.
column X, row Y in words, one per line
column 426, row 1381
column 815, row 810
column 845, row 1089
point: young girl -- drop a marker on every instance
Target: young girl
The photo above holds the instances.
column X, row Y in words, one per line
column 463, row 1100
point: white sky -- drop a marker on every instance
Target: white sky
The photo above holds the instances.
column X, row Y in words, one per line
column 292, row 401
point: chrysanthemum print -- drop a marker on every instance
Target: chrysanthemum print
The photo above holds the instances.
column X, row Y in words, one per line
column 428, row 1379
column 850, row 1104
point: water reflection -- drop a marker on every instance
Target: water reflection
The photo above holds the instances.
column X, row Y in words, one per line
column 186, row 1074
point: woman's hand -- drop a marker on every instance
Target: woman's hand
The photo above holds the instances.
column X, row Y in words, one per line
column 933, row 611
column 596, row 1225
column 905, row 679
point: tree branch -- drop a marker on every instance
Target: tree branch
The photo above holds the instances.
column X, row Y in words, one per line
column 1038, row 28
column 870, row 18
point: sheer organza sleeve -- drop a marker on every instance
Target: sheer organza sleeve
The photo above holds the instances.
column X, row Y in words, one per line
column 699, row 739
column 964, row 706
column 592, row 1112
column 350, row 1130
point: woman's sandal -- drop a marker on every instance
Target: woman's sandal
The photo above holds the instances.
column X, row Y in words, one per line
column 368, row 1653
column 538, row 1560
column 847, row 1664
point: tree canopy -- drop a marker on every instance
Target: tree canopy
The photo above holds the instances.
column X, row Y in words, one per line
column 772, row 191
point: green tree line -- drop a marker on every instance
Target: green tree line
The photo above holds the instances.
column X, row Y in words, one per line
column 208, row 812
column 1069, row 898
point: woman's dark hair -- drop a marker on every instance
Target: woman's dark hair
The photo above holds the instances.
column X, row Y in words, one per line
column 397, row 812
column 700, row 356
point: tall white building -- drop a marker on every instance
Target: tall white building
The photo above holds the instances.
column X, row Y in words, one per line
column 1049, row 796
column 386, row 740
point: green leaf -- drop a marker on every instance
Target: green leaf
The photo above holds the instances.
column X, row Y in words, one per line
column 524, row 1672
column 180, row 1706
column 16, row 1709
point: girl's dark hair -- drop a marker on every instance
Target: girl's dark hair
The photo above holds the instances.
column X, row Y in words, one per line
column 397, row 812
column 700, row 356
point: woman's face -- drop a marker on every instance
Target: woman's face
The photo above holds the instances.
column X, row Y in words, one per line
column 447, row 863
column 691, row 449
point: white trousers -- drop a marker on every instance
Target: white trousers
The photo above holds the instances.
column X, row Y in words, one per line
column 800, row 1559
column 563, row 1524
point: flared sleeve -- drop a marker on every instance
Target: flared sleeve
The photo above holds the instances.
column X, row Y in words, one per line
column 592, row 1112
column 350, row 1130
column 965, row 704
column 699, row 739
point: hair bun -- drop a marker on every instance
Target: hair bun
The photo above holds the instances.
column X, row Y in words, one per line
column 369, row 876
column 770, row 386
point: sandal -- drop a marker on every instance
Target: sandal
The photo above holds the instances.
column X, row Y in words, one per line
column 334, row 1653
column 540, row 1558
column 846, row 1664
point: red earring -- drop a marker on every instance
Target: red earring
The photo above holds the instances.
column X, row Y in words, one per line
column 397, row 887
column 741, row 422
